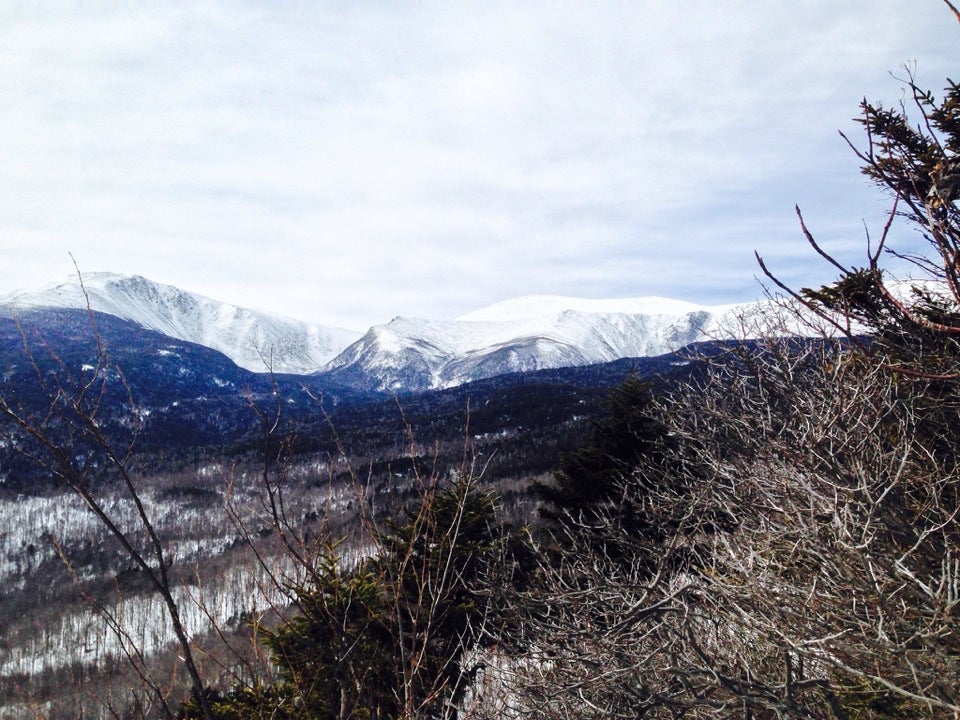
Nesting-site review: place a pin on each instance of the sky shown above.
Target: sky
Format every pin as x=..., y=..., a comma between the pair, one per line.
x=346, y=163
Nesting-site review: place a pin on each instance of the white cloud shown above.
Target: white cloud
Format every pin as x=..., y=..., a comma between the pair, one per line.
x=348, y=163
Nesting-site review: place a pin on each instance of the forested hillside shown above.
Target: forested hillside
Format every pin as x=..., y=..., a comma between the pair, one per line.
x=197, y=437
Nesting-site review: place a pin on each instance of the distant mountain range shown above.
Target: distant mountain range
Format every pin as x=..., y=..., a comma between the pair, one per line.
x=522, y=335
x=405, y=355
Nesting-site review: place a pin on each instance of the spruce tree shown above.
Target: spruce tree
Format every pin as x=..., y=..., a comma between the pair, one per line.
x=388, y=638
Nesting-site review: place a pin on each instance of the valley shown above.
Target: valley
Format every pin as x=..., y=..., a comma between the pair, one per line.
x=212, y=446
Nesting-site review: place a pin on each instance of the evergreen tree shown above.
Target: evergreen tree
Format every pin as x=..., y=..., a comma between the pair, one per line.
x=390, y=637
x=591, y=479
x=335, y=657
x=434, y=565
x=611, y=490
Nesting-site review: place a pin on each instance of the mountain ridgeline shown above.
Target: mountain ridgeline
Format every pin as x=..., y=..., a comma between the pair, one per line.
x=530, y=372
x=253, y=340
x=405, y=355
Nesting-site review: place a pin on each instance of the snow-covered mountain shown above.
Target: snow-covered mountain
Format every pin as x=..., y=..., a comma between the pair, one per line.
x=252, y=339
x=530, y=333
x=524, y=334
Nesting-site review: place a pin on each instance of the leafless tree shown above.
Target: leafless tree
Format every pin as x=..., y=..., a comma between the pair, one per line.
x=66, y=435
x=832, y=589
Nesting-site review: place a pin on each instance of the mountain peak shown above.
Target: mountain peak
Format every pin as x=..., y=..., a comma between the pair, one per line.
x=253, y=340
x=527, y=333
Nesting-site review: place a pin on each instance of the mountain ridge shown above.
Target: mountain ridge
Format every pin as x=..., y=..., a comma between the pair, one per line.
x=526, y=334
x=254, y=340
x=522, y=334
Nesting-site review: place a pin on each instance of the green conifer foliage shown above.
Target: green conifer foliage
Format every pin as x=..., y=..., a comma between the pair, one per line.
x=593, y=476
x=334, y=657
x=434, y=565
x=390, y=637
x=613, y=491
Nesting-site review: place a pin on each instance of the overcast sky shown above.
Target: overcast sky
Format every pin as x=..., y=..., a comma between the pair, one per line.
x=346, y=163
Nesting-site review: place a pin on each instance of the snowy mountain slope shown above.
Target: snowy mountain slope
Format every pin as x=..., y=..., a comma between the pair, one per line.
x=529, y=333
x=407, y=355
x=252, y=339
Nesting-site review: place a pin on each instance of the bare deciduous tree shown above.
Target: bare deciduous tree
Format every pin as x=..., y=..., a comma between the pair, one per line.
x=67, y=435
x=832, y=589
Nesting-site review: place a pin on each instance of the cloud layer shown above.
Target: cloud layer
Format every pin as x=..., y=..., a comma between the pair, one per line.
x=350, y=162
